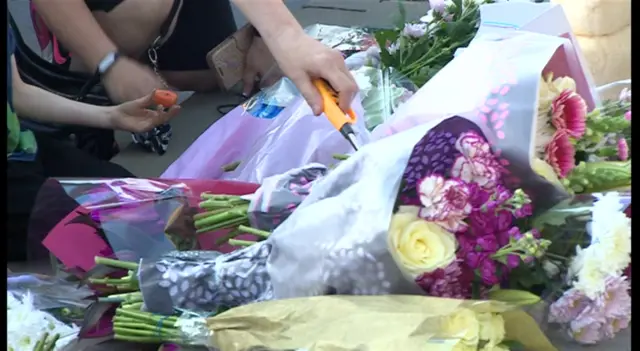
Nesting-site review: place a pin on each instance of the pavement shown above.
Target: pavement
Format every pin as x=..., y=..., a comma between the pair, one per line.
x=199, y=110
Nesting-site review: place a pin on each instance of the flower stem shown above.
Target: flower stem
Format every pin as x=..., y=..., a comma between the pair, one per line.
x=144, y=339
x=257, y=232
x=237, y=242
x=131, y=266
x=40, y=344
x=199, y=216
x=222, y=225
x=340, y=157
x=51, y=344
x=557, y=257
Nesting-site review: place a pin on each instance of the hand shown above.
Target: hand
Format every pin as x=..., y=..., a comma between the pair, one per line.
x=303, y=58
x=128, y=80
x=139, y=115
x=257, y=63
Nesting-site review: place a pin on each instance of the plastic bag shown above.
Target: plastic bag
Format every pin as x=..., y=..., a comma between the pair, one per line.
x=27, y=326
x=381, y=92
x=280, y=195
x=48, y=292
x=294, y=138
x=620, y=90
x=376, y=323
x=336, y=239
x=587, y=262
x=273, y=123
x=123, y=218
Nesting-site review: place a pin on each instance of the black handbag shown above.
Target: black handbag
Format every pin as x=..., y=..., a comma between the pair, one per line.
x=35, y=70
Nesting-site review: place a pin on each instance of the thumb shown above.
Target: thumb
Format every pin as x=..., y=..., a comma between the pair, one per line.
x=145, y=101
x=310, y=94
x=248, y=80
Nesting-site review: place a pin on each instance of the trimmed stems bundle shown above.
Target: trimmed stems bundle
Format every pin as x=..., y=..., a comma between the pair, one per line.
x=226, y=212
x=130, y=322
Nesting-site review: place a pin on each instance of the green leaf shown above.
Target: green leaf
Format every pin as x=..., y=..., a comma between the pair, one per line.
x=558, y=215
x=514, y=297
x=382, y=37
x=402, y=16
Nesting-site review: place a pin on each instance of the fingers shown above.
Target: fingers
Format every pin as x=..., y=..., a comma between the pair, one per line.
x=248, y=80
x=345, y=85
x=309, y=92
x=145, y=101
x=157, y=117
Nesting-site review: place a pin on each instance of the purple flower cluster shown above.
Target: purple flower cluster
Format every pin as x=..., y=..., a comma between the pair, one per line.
x=591, y=320
x=472, y=202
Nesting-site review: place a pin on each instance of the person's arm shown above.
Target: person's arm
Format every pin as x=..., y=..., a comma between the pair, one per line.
x=271, y=18
x=43, y=106
x=75, y=26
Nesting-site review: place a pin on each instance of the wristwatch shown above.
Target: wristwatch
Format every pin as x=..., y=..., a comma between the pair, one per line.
x=106, y=63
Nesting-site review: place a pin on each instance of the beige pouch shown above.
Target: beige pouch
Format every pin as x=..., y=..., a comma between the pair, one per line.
x=608, y=56
x=227, y=59
x=596, y=17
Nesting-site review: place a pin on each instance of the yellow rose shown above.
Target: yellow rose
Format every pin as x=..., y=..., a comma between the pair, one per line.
x=462, y=324
x=491, y=328
x=419, y=246
x=545, y=170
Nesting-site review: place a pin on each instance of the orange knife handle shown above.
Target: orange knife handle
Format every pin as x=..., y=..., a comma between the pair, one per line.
x=335, y=115
x=165, y=98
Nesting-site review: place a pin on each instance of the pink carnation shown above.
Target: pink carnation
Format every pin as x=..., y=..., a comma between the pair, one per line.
x=591, y=321
x=627, y=115
x=476, y=164
x=483, y=171
x=444, y=201
x=569, y=113
x=472, y=145
x=560, y=154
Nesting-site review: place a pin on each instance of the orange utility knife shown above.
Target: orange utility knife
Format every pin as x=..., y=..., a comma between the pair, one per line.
x=165, y=98
x=342, y=121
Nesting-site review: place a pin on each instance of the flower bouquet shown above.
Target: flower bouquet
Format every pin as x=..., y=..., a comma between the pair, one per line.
x=583, y=151
x=41, y=312
x=419, y=50
x=444, y=241
x=584, y=275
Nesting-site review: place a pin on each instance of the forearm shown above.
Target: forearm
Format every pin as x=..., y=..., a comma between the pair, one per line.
x=40, y=105
x=271, y=18
x=76, y=27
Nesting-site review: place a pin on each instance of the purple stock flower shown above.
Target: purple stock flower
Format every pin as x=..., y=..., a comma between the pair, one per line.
x=487, y=243
x=513, y=261
x=488, y=271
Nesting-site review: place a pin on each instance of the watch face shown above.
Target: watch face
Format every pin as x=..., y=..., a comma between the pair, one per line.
x=106, y=62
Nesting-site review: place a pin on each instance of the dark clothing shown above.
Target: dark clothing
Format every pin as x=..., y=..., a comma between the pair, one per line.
x=27, y=171
x=201, y=26
x=55, y=158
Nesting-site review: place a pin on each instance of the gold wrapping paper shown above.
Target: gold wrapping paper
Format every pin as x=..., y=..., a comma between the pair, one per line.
x=350, y=323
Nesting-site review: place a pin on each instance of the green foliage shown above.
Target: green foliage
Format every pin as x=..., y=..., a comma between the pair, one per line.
x=419, y=59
